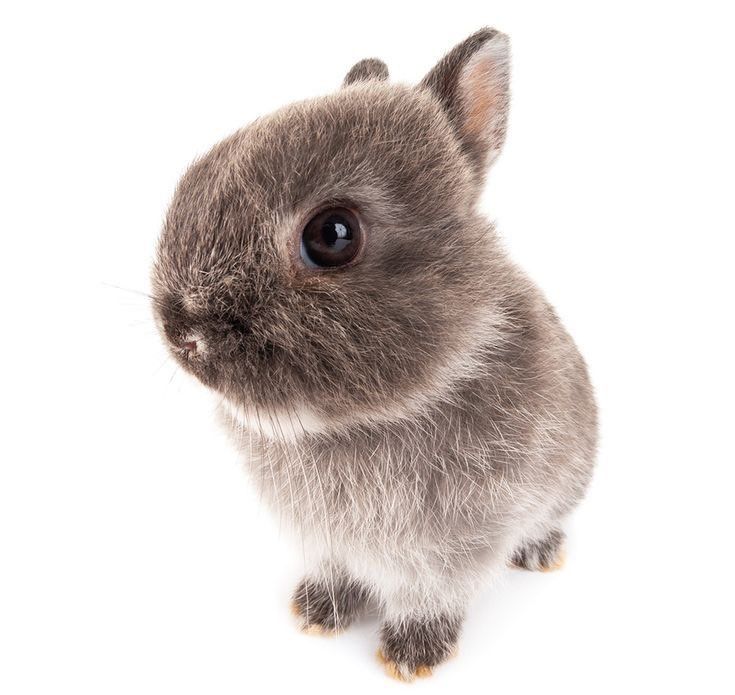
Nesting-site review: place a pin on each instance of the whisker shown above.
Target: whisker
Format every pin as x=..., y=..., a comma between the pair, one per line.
x=160, y=366
x=128, y=289
x=176, y=371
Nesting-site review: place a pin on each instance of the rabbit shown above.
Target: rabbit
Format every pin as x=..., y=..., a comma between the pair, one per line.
x=406, y=399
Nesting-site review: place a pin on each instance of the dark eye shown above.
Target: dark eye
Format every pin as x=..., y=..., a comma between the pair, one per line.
x=331, y=238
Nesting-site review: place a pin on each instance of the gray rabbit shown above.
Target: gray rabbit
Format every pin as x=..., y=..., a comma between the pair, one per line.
x=407, y=399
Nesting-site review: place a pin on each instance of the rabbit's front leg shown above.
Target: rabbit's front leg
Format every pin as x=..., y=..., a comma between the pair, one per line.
x=421, y=625
x=328, y=599
x=412, y=646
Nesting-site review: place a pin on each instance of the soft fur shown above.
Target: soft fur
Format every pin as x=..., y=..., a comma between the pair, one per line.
x=421, y=418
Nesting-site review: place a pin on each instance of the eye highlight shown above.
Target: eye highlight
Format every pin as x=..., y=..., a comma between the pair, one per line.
x=331, y=238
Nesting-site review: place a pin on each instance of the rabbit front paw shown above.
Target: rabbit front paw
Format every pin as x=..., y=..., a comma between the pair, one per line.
x=411, y=648
x=327, y=605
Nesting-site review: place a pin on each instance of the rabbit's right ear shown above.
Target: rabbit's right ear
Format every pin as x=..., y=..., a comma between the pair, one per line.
x=472, y=84
x=367, y=69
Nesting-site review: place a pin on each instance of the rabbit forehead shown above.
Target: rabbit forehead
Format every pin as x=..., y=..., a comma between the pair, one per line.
x=361, y=135
x=380, y=146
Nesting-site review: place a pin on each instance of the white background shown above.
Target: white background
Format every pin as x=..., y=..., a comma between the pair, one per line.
x=135, y=557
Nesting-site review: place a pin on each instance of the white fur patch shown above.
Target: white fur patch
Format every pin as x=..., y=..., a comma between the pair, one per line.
x=191, y=301
x=279, y=425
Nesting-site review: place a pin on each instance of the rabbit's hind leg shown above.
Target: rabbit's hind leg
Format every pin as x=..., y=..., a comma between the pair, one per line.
x=543, y=554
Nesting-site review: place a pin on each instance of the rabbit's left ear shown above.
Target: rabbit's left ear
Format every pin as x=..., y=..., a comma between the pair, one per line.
x=472, y=83
x=367, y=69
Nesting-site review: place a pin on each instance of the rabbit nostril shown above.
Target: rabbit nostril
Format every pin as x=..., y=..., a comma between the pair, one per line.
x=190, y=346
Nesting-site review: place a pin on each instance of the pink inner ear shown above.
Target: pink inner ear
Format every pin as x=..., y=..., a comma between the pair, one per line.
x=481, y=98
x=483, y=86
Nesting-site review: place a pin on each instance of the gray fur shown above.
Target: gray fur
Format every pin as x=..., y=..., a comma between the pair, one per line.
x=411, y=645
x=329, y=605
x=366, y=69
x=540, y=553
x=418, y=416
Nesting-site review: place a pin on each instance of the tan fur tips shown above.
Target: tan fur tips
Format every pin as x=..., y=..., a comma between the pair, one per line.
x=401, y=672
x=558, y=562
x=295, y=610
x=317, y=630
x=541, y=555
x=423, y=671
x=314, y=629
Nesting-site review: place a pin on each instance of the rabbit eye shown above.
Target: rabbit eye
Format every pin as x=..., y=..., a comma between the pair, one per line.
x=331, y=238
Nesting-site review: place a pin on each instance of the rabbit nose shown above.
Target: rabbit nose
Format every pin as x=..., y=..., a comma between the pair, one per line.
x=192, y=345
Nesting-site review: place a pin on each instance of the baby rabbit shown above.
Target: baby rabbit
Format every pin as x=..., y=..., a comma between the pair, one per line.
x=407, y=399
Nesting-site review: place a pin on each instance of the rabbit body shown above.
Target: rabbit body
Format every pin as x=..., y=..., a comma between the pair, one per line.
x=418, y=415
x=421, y=508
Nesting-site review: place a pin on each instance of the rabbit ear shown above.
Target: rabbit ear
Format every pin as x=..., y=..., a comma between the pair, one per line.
x=367, y=69
x=472, y=83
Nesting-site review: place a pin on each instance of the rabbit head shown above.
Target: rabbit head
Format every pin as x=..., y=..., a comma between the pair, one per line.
x=326, y=264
